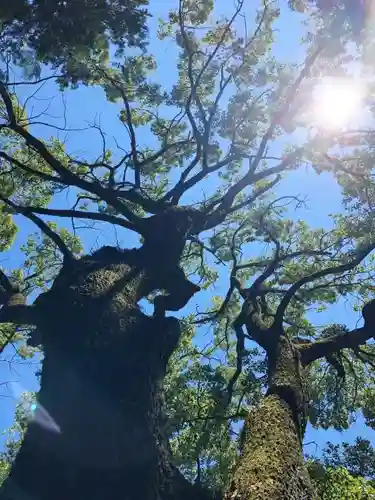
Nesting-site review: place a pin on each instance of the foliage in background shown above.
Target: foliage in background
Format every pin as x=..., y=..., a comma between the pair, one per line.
x=339, y=484
x=36, y=32
x=345, y=471
x=14, y=435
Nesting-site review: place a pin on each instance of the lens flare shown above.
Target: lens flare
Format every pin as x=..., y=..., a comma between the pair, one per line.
x=336, y=103
x=35, y=411
x=40, y=416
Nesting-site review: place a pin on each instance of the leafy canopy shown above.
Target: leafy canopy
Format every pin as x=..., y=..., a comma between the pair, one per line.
x=231, y=124
x=37, y=32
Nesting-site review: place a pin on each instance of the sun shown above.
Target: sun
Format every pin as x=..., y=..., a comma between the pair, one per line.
x=336, y=103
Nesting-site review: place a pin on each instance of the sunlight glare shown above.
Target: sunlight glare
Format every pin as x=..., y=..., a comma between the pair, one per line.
x=336, y=103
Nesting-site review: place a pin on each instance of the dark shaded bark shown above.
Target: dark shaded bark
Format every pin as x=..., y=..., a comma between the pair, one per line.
x=271, y=465
x=97, y=430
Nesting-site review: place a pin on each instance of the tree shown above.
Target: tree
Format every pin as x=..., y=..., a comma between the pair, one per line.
x=99, y=422
x=357, y=458
x=343, y=14
x=338, y=483
x=344, y=471
x=35, y=32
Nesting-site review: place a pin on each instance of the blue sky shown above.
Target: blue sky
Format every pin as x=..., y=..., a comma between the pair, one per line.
x=89, y=105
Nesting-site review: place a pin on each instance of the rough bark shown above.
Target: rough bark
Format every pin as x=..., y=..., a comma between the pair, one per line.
x=271, y=465
x=97, y=431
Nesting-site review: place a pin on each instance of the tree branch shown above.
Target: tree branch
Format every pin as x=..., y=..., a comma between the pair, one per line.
x=129, y=123
x=259, y=192
x=251, y=176
x=246, y=317
x=25, y=168
x=290, y=95
x=349, y=340
x=7, y=339
x=6, y=285
x=164, y=150
x=193, y=85
x=35, y=82
x=282, y=258
x=19, y=315
x=183, y=185
x=248, y=179
x=14, y=308
x=240, y=348
x=66, y=176
x=67, y=255
x=177, y=191
x=79, y=214
x=361, y=254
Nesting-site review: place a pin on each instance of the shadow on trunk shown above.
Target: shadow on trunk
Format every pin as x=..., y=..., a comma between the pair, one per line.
x=96, y=432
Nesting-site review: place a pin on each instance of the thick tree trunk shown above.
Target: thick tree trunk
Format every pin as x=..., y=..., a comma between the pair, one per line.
x=271, y=465
x=96, y=432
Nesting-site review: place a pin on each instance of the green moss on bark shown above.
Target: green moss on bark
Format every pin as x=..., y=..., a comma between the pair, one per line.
x=286, y=379
x=271, y=465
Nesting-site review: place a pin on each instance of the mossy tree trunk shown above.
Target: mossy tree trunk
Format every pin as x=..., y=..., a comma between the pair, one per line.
x=96, y=433
x=271, y=465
